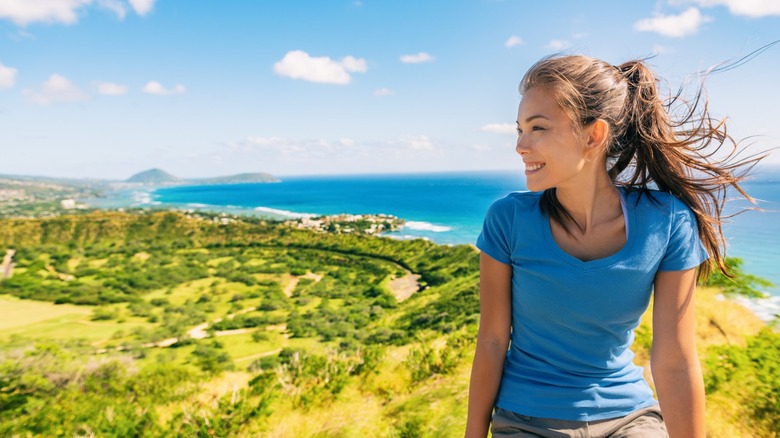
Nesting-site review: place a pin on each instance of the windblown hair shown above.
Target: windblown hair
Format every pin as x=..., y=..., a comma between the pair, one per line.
x=646, y=146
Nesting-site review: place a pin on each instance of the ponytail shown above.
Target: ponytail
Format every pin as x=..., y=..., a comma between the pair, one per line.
x=679, y=157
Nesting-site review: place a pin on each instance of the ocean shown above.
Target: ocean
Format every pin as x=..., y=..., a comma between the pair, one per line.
x=448, y=208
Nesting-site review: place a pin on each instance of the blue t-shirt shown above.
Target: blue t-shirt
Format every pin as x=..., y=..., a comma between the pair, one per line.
x=573, y=321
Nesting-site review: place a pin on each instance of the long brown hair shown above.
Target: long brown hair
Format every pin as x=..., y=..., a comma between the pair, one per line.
x=674, y=144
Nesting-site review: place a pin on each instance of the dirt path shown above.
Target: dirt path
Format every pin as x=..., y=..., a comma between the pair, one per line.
x=288, y=290
x=404, y=287
x=258, y=355
x=199, y=331
x=7, y=268
x=60, y=275
x=231, y=332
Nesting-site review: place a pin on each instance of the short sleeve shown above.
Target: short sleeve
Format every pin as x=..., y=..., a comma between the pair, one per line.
x=685, y=250
x=494, y=240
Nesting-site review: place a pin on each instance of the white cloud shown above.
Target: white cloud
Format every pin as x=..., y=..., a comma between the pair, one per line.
x=294, y=148
x=380, y=92
x=7, y=76
x=154, y=87
x=298, y=64
x=114, y=6
x=24, y=12
x=675, y=26
x=265, y=141
x=418, y=142
x=142, y=7
x=416, y=59
x=481, y=147
x=344, y=146
x=355, y=65
x=748, y=8
x=558, y=45
x=58, y=89
x=514, y=40
x=499, y=128
x=343, y=155
x=110, y=89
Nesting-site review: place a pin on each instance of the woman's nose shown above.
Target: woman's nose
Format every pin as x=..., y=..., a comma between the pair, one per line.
x=520, y=146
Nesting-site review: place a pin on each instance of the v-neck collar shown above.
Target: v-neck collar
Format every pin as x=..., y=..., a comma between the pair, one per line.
x=628, y=217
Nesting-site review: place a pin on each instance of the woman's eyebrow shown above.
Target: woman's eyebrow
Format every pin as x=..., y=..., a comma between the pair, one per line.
x=535, y=116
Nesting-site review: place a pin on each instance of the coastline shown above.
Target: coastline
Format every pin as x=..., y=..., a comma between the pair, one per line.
x=439, y=232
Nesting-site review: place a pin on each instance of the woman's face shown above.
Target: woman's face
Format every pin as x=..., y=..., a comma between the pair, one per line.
x=553, y=152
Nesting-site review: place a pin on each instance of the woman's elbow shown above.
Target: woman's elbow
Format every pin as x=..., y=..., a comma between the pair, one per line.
x=673, y=361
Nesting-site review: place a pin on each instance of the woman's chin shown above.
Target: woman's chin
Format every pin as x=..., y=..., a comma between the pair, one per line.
x=535, y=187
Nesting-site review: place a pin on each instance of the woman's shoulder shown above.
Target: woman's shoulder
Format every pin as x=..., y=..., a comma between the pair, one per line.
x=658, y=198
x=658, y=205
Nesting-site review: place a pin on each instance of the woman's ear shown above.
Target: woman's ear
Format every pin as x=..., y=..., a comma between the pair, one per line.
x=597, y=133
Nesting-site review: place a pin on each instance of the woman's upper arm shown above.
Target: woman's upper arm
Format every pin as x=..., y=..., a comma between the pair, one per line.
x=674, y=318
x=495, y=302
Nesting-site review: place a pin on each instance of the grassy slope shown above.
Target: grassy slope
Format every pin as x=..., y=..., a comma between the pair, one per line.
x=386, y=403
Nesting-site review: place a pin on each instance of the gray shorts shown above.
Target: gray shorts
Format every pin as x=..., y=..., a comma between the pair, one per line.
x=643, y=423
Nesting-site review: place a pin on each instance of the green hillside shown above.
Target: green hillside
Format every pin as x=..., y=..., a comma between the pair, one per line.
x=169, y=324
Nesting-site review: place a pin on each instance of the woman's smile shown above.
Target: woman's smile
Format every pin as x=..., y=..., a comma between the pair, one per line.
x=533, y=167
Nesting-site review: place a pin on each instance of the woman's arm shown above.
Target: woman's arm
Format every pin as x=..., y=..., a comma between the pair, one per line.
x=495, y=319
x=674, y=360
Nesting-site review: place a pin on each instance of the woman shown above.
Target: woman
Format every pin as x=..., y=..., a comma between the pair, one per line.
x=567, y=270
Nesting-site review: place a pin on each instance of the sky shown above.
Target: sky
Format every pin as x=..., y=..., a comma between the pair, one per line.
x=108, y=88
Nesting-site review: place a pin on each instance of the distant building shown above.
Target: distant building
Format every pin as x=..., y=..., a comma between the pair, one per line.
x=68, y=204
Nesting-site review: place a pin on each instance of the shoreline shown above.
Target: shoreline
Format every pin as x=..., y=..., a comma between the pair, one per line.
x=767, y=309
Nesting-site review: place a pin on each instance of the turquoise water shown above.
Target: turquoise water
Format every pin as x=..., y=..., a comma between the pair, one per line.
x=448, y=208
x=444, y=207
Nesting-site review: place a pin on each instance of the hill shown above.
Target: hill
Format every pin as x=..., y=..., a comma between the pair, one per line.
x=159, y=176
x=173, y=324
x=153, y=176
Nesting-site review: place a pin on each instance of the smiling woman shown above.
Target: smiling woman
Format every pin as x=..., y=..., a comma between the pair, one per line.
x=567, y=270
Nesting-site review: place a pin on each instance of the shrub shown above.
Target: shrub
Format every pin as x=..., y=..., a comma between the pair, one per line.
x=751, y=375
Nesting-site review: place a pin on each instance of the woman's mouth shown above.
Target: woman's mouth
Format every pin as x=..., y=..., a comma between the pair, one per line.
x=531, y=168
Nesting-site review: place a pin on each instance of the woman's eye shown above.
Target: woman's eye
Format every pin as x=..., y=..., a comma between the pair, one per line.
x=519, y=131
x=538, y=128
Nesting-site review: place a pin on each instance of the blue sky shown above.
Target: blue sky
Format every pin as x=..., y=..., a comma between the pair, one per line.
x=108, y=88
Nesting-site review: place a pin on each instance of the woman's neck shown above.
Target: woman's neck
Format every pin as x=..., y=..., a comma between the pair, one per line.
x=590, y=203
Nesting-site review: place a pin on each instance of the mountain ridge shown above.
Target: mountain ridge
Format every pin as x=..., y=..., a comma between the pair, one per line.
x=159, y=176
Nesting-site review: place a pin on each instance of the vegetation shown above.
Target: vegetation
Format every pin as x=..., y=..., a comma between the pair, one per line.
x=750, y=377
x=173, y=324
x=742, y=284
